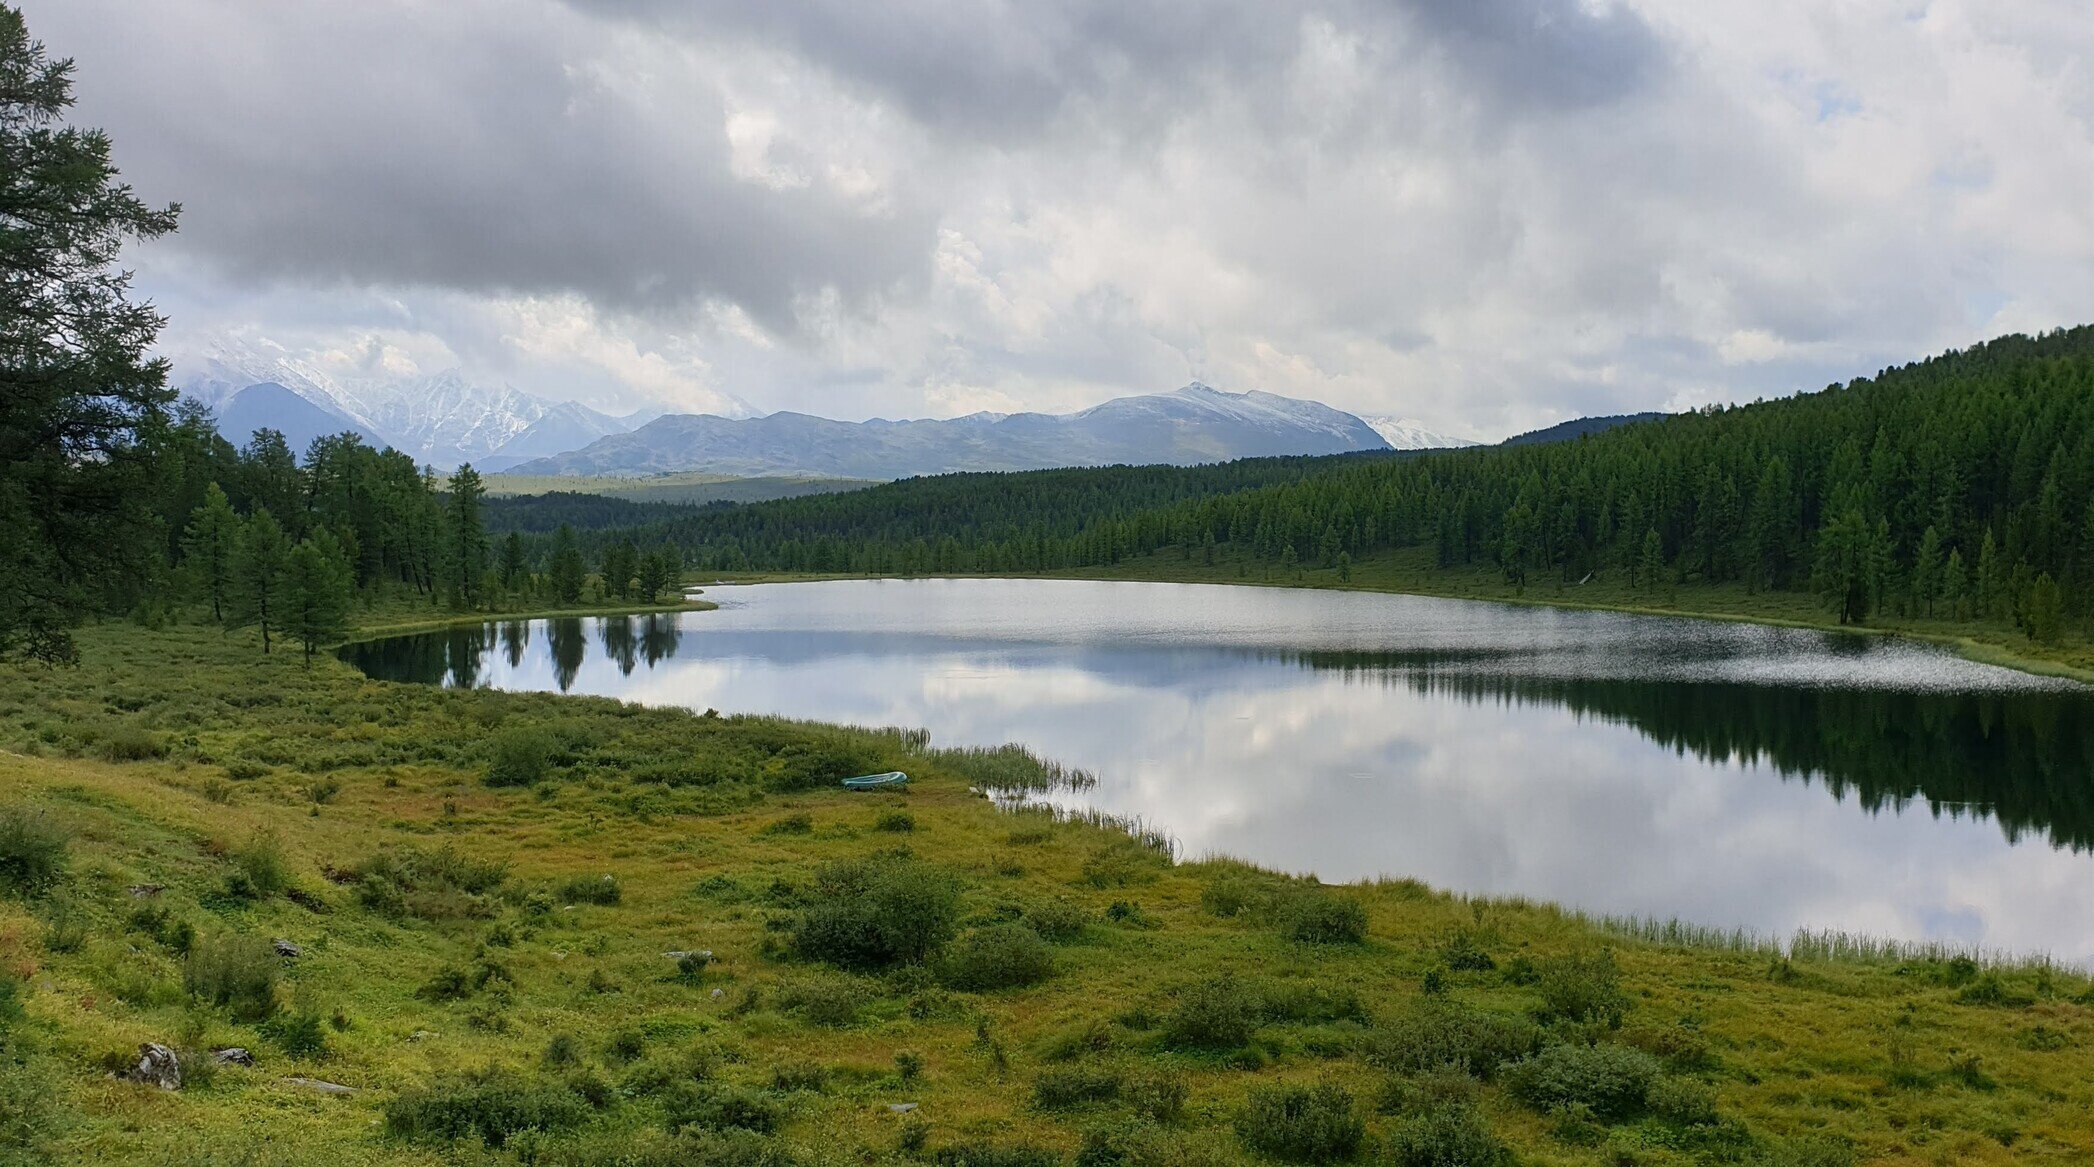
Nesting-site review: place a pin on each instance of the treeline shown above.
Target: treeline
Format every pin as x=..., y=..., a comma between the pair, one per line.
x=1956, y=487
x=1024, y=521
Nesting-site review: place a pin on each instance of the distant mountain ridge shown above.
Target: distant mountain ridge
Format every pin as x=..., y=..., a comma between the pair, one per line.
x=439, y=420
x=1578, y=427
x=1404, y=434
x=1191, y=425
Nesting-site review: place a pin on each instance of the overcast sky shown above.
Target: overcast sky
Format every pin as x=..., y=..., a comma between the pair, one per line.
x=1482, y=214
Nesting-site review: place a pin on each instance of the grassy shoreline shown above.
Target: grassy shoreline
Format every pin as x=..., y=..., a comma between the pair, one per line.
x=183, y=759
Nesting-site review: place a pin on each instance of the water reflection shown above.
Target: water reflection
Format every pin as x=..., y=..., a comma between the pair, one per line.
x=1619, y=763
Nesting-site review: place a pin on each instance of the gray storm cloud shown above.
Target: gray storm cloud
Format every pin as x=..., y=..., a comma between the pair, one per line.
x=1482, y=213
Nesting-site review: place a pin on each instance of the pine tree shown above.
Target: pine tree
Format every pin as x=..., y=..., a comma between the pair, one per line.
x=513, y=565
x=2043, y=610
x=317, y=586
x=1955, y=586
x=1926, y=573
x=1991, y=586
x=207, y=547
x=467, y=536
x=80, y=398
x=256, y=594
x=1849, y=569
x=1650, y=564
x=567, y=571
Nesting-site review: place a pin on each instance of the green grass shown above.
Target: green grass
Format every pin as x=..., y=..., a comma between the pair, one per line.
x=683, y=487
x=466, y=969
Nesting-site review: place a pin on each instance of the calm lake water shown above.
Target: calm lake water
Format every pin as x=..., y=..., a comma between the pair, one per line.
x=1727, y=774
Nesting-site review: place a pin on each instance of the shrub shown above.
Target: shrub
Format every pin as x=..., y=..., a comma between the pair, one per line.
x=1157, y=1095
x=822, y=1000
x=1122, y=862
x=1001, y=956
x=519, y=757
x=1613, y=1081
x=450, y=983
x=129, y=743
x=1317, y=916
x=1219, y=1014
x=491, y=1104
x=895, y=822
x=583, y=889
x=1432, y=1034
x=1447, y=1136
x=790, y=1077
x=1301, y=1124
x=716, y=1106
x=985, y=1155
x=302, y=1035
x=1683, y=1102
x=792, y=824
x=562, y=1051
x=1232, y=895
x=32, y=851
x=1462, y=953
x=872, y=913
x=1057, y=919
x=1072, y=1086
x=1581, y=989
x=807, y=765
x=234, y=972
x=429, y=885
x=908, y=1064
x=260, y=864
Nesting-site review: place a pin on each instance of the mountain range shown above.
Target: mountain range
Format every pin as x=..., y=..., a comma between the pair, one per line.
x=439, y=420
x=1193, y=424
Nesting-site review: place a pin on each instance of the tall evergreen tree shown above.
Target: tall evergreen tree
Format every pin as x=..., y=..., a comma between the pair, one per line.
x=567, y=572
x=256, y=595
x=514, y=567
x=466, y=558
x=207, y=548
x=1850, y=564
x=317, y=585
x=80, y=400
x=1926, y=573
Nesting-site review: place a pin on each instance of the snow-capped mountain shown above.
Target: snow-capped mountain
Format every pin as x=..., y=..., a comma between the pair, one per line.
x=440, y=420
x=1404, y=434
x=1193, y=424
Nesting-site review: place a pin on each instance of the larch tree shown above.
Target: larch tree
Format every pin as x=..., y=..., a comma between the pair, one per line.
x=256, y=596
x=80, y=399
x=466, y=534
x=317, y=586
x=207, y=549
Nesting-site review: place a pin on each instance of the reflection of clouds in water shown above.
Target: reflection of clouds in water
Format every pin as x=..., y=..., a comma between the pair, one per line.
x=1349, y=776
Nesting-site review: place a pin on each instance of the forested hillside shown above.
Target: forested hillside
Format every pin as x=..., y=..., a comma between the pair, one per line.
x=1956, y=485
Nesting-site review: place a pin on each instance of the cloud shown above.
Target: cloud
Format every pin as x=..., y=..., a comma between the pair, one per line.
x=1484, y=214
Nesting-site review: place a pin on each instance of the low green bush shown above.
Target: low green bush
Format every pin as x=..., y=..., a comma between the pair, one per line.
x=1683, y=1102
x=822, y=1000
x=592, y=889
x=1219, y=1014
x=492, y=1105
x=718, y=1106
x=874, y=913
x=1234, y=894
x=800, y=823
x=1157, y=1095
x=1314, y=915
x=259, y=864
x=1446, y=1136
x=1001, y=956
x=519, y=757
x=235, y=972
x=1431, y=1034
x=301, y=1034
x=1058, y=920
x=1581, y=989
x=130, y=743
x=439, y=884
x=895, y=822
x=1301, y=1124
x=1613, y=1081
x=33, y=851
x=1072, y=1086
x=990, y=1155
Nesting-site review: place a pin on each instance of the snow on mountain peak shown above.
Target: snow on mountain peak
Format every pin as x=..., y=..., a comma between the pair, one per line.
x=1404, y=434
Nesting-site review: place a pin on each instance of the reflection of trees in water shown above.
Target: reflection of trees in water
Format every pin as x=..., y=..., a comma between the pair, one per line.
x=465, y=646
x=619, y=643
x=2024, y=758
x=569, y=646
x=516, y=636
x=660, y=634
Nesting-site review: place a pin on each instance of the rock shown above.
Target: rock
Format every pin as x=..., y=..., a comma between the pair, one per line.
x=421, y=1035
x=286, y=949
x=141, y=891
x=158, y=1065
x=679, y=954
x=901, y=1107
x=719, y=993
x=232, y=1056
x=335, y=1088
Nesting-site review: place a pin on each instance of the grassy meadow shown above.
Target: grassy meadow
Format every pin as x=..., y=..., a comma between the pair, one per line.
x=484, y=889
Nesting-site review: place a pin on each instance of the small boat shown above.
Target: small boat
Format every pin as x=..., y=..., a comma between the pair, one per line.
x=876, y=781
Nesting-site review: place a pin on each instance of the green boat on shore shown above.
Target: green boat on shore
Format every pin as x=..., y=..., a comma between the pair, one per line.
x=876, y=781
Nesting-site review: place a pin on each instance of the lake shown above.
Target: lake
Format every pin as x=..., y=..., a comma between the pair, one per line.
x=1726, y=774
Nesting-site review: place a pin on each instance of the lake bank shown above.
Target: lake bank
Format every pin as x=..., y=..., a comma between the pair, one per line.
x=1900, y=1060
